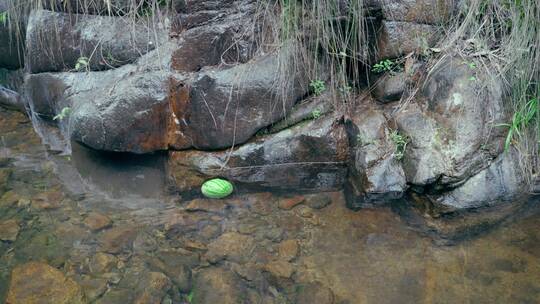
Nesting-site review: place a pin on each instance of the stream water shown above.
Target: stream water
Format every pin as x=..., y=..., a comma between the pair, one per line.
x=107, y=224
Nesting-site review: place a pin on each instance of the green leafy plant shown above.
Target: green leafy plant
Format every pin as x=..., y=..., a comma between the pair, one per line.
x=3, y=18
x=63, y=114
x=82, y=64
x=189, y=297
x=471, y=65
x=400, y=142
x=386, y=65
x=316, y=113
x=521, y=120
x=317, y=87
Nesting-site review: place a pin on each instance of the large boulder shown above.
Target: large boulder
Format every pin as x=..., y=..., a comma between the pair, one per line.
x=375, y=173
x=59, y=41
x=502, y=182
x=223, y=43
x=311, y=156
x=144, y=107
x=11, y=99
x=397, y=38
x=225, y=107
x=418, y=11
x=453, y=125
x=123, y=110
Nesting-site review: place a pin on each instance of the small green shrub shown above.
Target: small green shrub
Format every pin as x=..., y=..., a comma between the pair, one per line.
x=317, y=87
x=82, y=64
x=400, y=142
x=189, y=297
x=521, y=121
x=387, y=65
x=315, y=114
x=3, y=18
x=63, y=114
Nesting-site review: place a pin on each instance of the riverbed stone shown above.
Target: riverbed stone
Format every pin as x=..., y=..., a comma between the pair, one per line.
x=231, y=246
x=51, y=199
x=217, y=285
x=9, y=230
x=206, y=205
x=288, y=249
x=37, y=282
x=318, y=201
x=288, y=203
x=97, y=221
x=117, y=239
x=308, y=293
x=103, y=262
x=280, y=269
x=9, y=199
x=155, y=286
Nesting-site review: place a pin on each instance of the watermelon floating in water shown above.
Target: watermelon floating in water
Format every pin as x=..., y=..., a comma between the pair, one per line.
x=217, y=188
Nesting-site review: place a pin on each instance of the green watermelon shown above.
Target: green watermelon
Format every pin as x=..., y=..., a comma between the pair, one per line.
x=217, y=188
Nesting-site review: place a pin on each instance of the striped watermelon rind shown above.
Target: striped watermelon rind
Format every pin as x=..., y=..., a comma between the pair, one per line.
x=217, y=188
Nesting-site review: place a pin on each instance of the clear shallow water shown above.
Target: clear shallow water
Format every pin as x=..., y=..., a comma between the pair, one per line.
x=107, y=225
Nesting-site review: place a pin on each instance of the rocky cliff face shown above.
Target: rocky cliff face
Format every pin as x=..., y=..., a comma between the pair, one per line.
x=195, y=81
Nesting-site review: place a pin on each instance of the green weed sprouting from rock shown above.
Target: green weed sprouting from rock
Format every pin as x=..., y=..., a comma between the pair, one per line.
x=315, y=114
x=317, y=87
x=386, y=65
x=82, y=64
x=63, y=114
x=3, y=18
x=400, y=142
x=522, y=119
x=189, y=297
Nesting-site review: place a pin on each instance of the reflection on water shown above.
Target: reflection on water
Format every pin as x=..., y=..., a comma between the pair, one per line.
x=101, y=230
x=120, y=174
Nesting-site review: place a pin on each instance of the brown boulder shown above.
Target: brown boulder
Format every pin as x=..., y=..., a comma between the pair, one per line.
x=39, y=283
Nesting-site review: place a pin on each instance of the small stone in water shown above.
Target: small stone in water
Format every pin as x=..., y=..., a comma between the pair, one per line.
x=97, y=221
x=9, y=230
x=291, y=202
x=288, y=249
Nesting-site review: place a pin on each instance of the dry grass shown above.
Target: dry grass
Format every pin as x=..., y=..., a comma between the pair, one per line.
x=328, y=41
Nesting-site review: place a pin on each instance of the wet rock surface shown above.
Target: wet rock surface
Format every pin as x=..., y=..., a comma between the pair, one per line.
x=376, y=175
x=57, y=41
x=456, y=136
x=285, y=160
x=36, y=282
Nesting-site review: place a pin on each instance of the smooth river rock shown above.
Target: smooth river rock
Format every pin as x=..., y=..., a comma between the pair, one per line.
x=39, y=283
